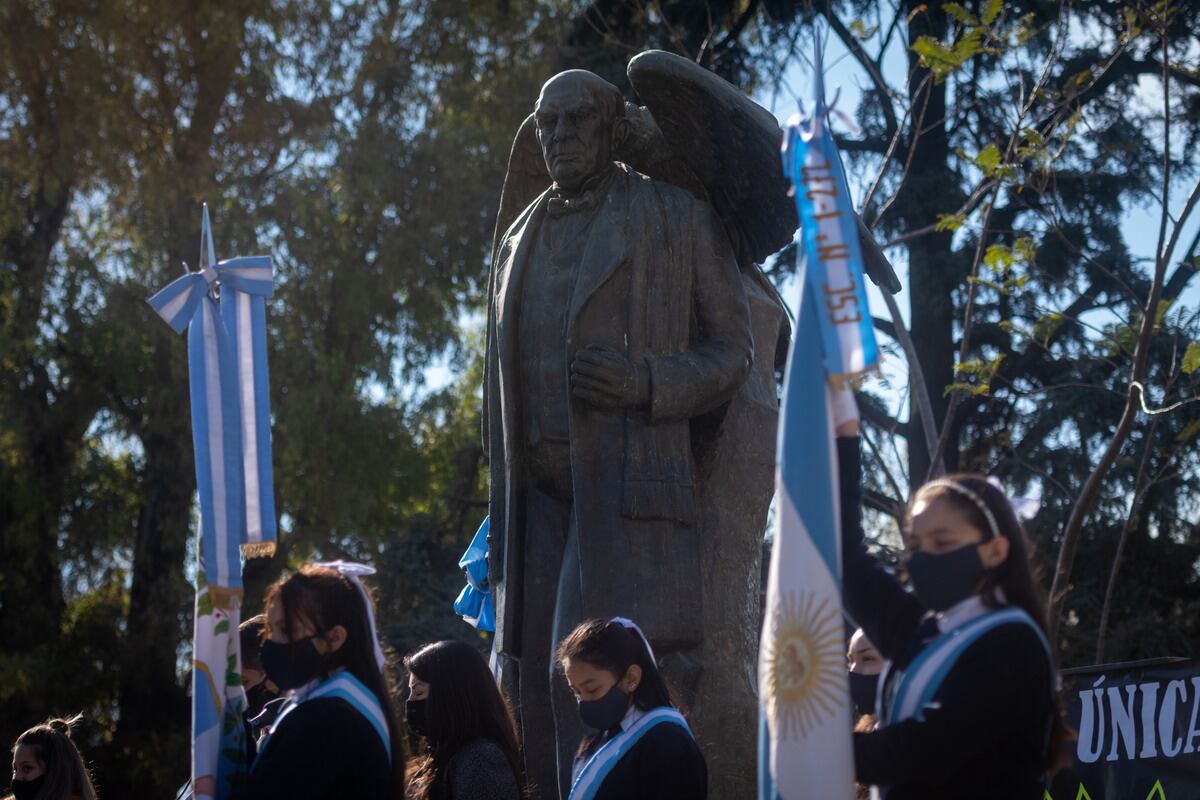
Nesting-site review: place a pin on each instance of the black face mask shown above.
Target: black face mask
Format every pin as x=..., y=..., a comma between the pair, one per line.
x=257, y=697
x=27, y=790
x=942, y=580
x=293, y=664
x=862, y=691
x=414, y=716
x=607, y=712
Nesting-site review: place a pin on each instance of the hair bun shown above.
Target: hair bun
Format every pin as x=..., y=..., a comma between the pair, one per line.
x=64, y=726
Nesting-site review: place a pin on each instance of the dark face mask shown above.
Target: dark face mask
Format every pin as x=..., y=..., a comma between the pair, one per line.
x=257, y=697
x=291, y=665
x=414, y=716
x=607, y=712
x=27, y=790
x=942, y=580
x=862, y=691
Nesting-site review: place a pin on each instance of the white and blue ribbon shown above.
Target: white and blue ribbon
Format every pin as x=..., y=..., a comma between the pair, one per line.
x=829, y=238
x=343, y=686
x=602, y=762
x=921, y=680
x=230, y=400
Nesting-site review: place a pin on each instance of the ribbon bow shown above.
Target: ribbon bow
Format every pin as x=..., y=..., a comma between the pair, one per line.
x=223, y=308
x=474, y=603
x=353, y=571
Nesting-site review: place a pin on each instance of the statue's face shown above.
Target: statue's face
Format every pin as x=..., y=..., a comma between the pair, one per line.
x=573, y=130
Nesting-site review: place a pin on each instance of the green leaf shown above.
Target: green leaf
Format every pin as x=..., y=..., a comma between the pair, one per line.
x=950, y=222
x=1191, y=358
x=861, y=31
x=1189, y=433
x=222, y=627
x=998, y=256
x=1160, y=314
x=1046, y=325
x=936, y=57
x=959, y=14
x=204, y=604
x=991, y=10
x=988, y=159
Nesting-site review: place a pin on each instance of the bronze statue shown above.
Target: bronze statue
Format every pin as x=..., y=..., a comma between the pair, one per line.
x=630, y=394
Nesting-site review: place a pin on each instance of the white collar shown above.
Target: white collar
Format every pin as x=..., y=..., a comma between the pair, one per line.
x=631, y=716
x=961, y=613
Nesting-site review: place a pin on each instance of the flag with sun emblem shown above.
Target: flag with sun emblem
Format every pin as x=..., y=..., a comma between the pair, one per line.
x=806, y=749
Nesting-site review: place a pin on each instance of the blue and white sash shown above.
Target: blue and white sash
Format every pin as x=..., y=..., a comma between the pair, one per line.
x=346, y=687
x=598, y=767
x=924, y=676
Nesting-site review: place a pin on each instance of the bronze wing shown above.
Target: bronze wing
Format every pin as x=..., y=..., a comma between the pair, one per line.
x=731, y=145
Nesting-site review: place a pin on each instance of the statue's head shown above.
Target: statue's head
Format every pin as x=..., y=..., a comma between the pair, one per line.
x=579, y=117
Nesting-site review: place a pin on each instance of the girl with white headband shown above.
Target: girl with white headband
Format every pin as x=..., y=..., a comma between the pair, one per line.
x=337, y=734
x=642, y=746
x=968, y=704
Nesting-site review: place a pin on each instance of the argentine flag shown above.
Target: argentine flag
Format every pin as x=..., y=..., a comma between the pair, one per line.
x=805, y=742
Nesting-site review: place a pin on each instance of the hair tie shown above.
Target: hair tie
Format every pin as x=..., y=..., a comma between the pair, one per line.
x=971, y=495
x=351, y=570
x=632, y=626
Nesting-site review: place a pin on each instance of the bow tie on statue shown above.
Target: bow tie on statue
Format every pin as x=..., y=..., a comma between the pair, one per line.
x=586, y=199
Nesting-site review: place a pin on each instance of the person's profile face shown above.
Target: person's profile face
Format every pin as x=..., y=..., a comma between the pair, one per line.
x=417, y=688
x=864, y=659
x=589, y=682
x=573, y=131
x=25, y=764
x=278, y=627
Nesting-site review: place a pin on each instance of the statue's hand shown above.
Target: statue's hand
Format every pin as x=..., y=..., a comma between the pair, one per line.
x=606, y=378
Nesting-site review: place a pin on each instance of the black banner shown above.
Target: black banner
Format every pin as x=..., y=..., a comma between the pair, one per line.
x=1139, y=732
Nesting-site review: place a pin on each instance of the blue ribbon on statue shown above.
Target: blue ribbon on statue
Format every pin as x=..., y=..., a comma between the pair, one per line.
x=833, y=256
x=227, y=373
x=474, y=603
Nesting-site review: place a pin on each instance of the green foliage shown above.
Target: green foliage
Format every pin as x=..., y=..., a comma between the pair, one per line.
x=1191, y=358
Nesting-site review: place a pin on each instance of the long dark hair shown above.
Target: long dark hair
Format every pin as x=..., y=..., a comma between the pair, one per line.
x=1014, y=576
x=464, y=705
x=66, y=774
x=325, y=598
x=612, y=647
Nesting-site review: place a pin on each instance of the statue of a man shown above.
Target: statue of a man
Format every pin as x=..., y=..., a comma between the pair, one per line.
x=618, y=329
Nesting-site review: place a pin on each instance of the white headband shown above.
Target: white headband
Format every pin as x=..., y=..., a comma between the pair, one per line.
x=630, y=625
x=352, y=570
x=970, y=495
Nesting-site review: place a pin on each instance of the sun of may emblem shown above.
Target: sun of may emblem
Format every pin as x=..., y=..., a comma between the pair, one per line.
x=802, y=678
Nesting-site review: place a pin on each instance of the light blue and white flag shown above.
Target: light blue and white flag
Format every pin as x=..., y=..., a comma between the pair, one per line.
x=222, y=307
x=805, y=742
x=806, y=749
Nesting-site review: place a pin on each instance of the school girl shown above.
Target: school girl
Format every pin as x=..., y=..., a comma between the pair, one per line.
x=47, y=766
x=643, y=747
x=968, y=705
x=468, y=737
x=337, y=735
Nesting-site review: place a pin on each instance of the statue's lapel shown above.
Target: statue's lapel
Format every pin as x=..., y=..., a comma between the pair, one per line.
x=606, y=243
x=510, y=271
